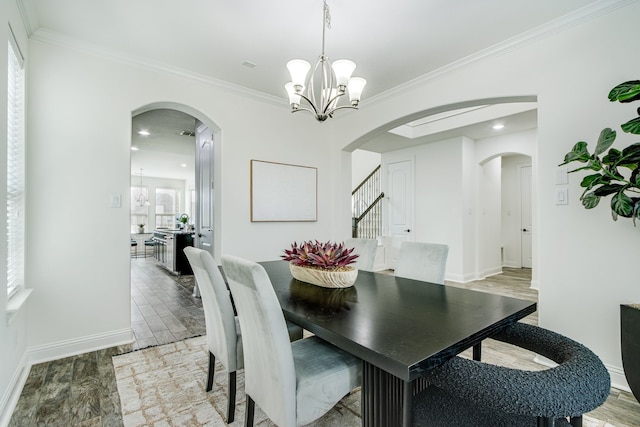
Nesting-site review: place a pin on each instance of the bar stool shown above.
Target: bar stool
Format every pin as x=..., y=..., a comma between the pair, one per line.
x=149, y=244
x=134, y=245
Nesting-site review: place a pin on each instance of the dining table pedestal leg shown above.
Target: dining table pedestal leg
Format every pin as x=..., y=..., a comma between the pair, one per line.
x=386, y=399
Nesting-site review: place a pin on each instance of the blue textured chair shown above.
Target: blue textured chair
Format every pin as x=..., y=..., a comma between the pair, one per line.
x=465, y=392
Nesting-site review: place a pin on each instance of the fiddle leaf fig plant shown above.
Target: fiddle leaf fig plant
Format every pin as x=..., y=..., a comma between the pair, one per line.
x=617, y=173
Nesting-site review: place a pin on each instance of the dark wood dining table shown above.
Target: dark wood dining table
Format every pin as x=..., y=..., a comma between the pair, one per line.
x=400, y=328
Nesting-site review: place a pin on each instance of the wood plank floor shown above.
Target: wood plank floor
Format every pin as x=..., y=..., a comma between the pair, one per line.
x=81, y=390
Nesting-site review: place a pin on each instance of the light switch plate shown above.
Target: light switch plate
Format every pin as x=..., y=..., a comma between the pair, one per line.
x=116, y=201
x=562, y=176
x=562, y=196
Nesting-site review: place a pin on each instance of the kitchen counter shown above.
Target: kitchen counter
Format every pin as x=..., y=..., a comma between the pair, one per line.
x=170, y=244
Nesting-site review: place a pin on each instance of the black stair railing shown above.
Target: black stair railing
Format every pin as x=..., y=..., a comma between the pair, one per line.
x=367, y=207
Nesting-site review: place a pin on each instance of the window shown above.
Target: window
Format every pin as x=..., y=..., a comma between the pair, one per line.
x=139, y=207
x=15, y=168
x=167, y=206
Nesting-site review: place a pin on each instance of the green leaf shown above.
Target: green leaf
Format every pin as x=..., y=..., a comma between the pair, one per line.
x=612, y=157
x=590, y=201
x=606, y=138
x=605, y=190
x=591, y=181
x=635, y=178
x=632, y=126
x=625, y=92
x=579, y=152
x=630, y=156
x=622, y=204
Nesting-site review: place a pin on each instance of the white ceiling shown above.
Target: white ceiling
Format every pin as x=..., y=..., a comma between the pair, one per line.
x=392, y=43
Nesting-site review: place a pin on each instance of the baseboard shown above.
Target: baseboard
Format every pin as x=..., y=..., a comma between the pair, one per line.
x=618, y=380
x=491, y=272
x=12, y=393
x=72, y=347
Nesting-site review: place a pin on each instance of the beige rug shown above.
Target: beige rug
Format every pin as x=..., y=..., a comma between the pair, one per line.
x=165, y=386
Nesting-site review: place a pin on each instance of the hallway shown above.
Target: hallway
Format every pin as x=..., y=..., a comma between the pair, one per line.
x=163, y=309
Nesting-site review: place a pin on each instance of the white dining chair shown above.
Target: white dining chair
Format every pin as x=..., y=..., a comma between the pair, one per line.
x=366, y=249
x=224, y=339
x=422, y=261
x=293, y=383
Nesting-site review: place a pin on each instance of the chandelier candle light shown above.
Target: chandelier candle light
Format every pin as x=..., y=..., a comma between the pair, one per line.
x=326, y=84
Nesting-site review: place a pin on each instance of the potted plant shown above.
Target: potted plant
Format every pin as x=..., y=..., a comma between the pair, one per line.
x=140, y=228
x=322, y=264
x=617, y=174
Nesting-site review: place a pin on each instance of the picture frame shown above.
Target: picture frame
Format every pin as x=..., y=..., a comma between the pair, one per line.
x=283, y=192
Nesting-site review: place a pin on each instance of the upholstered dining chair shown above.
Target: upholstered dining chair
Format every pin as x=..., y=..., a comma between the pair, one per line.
x=366, y=249
x=422, y=261
x=468, y=392
x=294, y=384
x=224, y=339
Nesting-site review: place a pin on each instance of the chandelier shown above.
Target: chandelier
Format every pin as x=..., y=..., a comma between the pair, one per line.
x=326, y=84
x=141, y=197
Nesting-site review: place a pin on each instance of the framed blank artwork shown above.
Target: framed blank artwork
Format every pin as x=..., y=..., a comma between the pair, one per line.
x=281, y=192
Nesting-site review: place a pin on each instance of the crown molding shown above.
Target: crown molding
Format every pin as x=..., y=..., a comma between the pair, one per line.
x=563, y=23
x=28, y=15
x=55, y=38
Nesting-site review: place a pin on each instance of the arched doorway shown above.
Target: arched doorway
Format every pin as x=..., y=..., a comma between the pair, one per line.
x=164, y=306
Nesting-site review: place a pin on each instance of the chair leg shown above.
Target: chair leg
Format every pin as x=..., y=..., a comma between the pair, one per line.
x=231, y=405
x=212, y=367
x=477, y=352
x=248, y=415
x=576, y=421
x=546, y=422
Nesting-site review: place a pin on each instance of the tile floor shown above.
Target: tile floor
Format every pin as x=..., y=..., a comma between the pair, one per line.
x=81, y=390
x=163, y=309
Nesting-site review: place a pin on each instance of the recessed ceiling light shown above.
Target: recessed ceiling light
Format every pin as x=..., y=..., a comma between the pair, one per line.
x=134, y=148
x=184, y=165
x=144, y=132
x=249, y=64
x=498, y=126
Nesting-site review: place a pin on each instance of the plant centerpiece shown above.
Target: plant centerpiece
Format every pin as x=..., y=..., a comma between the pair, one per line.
x=140, y=228
x=617, y=174
x=322, y=264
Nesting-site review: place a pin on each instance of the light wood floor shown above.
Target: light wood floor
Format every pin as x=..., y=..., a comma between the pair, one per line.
x=81, y=391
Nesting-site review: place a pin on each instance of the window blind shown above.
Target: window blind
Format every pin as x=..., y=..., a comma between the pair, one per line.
x=15, y=168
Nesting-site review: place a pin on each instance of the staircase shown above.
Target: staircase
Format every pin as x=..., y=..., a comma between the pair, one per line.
x=367, y=207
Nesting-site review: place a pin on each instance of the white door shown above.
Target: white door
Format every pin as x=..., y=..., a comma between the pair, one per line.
x=204, y=191
x=399, y=207
x=525, y=216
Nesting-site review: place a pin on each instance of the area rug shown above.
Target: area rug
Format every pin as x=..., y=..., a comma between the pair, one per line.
x=165, y=386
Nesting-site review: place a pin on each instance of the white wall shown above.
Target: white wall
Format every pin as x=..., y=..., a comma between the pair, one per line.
x=363, y=163
x=489, y=219
x=570, y=72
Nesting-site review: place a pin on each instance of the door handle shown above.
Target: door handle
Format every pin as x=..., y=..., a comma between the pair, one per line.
x=525, y=230
x=408, y=230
